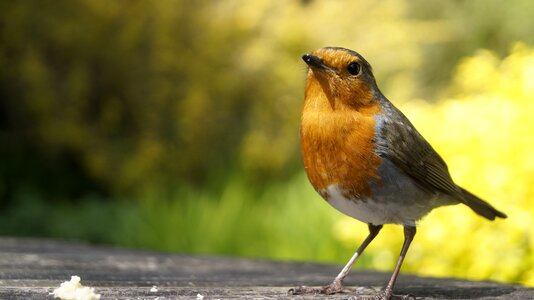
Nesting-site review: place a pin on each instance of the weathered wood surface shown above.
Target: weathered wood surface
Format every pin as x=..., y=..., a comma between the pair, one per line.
x=32, y=268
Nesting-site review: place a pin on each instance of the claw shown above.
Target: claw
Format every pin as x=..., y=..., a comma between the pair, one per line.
x=382, y=296
x=303, y=290
x=333, y=288
x=337, y=287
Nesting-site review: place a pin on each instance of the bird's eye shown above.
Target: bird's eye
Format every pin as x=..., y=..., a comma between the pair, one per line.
x=353, y=68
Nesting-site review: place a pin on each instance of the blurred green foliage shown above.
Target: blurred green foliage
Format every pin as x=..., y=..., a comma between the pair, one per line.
x=174, y=124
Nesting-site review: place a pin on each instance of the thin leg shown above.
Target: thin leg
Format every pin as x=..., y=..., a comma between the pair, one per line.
x=373, y=232
x=387, y=293
x=337, y=285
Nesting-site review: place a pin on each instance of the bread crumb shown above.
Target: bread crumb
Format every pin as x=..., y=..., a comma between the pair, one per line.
x=200, y=297
x=74, y=290
x=154, y=289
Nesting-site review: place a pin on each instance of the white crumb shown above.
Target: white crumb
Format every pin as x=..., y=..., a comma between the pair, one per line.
x=74, y=290
x=200, y=297
x=154, y=289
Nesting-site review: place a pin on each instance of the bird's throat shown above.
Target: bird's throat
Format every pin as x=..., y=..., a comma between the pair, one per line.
x=337, y=144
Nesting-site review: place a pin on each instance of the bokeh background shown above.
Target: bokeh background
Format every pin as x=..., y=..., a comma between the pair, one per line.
x=173, y=125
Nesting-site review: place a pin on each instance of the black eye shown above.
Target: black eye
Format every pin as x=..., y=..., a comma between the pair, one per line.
x=353, y=68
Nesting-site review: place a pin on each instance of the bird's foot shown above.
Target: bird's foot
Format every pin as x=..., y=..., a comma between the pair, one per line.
x=383, y=295
x=333, y=288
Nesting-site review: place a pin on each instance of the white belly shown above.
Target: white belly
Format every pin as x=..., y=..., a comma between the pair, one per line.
x=371, y=211
x=396, y=200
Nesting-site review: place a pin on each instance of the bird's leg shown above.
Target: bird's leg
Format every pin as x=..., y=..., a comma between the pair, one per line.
x=387, y=293
x=337, y=285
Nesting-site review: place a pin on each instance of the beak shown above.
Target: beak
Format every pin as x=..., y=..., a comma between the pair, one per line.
x=315, y=62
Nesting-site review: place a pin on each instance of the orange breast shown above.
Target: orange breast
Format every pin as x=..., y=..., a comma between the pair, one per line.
x=337, y=145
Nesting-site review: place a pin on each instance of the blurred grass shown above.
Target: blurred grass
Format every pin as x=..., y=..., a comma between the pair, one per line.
x=285, y=221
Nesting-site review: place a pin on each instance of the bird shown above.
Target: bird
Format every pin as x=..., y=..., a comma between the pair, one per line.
x=367, y=160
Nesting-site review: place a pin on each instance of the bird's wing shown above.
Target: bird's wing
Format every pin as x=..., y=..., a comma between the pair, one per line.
x=401, y=143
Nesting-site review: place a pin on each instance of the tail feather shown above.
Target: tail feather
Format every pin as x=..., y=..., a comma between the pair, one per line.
x=480, y=206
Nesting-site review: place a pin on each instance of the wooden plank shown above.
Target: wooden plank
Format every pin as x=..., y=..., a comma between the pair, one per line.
x=32, y=268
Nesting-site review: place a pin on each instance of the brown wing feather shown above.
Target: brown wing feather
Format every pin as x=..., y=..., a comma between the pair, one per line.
x=407, y=149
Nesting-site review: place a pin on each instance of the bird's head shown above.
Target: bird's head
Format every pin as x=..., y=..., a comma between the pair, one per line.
x=343, y=75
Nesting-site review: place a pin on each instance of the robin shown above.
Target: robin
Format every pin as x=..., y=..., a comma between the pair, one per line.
x=366, y=159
